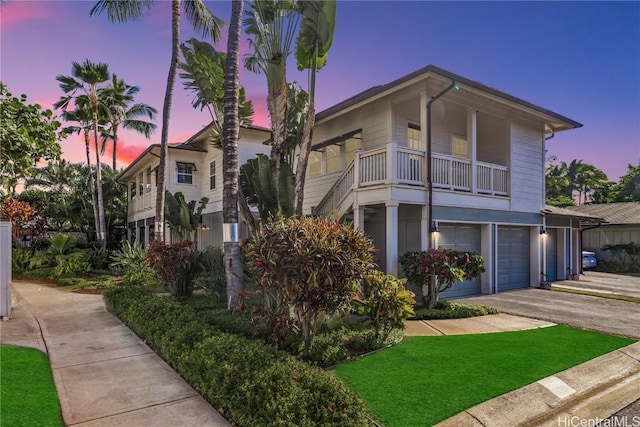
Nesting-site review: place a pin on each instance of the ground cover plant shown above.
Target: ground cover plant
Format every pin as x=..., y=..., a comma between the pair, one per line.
x=453, y=310
x=249, y=382
x=28, y=394
x=434, y=378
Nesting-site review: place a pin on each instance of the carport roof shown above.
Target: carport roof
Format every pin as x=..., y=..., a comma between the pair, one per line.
x=567, y=212
x=613, y=213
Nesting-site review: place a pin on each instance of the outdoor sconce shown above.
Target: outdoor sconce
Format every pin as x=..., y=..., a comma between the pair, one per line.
x=543, y=230
x=434, y=226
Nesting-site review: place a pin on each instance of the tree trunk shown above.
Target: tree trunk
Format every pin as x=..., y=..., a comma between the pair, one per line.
x=92, y=185
x=166, y=114
x=102, y=232
x=232, y=258
x=431, y=298
x=303, y=160
x=115, y=144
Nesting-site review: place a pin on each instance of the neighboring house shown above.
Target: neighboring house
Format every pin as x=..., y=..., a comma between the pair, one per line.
x=622, y=225
x=485, y=149
x=371, y=159
x=193, y=168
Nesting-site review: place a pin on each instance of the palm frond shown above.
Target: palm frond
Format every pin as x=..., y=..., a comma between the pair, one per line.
x=203, y=21
x=122, y=10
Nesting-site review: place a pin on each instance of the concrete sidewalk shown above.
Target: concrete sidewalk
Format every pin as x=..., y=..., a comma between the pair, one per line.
x=104, y=374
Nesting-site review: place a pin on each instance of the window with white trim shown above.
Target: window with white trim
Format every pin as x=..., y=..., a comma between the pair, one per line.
x=212, y=175
x=315, y=163
x=459, y=146
x=414, y=136
x=185, y=172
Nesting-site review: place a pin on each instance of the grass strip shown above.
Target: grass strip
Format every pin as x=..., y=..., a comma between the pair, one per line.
x=425, y=380
x=28, y=394
x=597, y=294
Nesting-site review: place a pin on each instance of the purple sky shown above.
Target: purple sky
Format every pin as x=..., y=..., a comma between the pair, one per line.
x=579, y=59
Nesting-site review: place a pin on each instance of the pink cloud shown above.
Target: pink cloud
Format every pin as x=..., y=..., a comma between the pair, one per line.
x=23, y=11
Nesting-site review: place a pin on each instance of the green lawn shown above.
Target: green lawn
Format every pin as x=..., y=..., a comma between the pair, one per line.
x=425, y=380
x=27, y=392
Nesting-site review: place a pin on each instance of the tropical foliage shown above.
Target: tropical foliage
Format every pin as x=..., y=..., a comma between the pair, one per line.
x=184, y=217
x=204, y=23
x=176, y=265
x=313, y=265
x=436, y=270
x=28, y=133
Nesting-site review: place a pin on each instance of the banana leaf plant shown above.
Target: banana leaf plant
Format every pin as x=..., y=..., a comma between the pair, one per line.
x=183, y=217
x=263, y=187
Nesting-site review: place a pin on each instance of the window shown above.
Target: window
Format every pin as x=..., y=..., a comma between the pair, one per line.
x=315, y=163
x=414, y=136
x=334, y=154
x=459, y=146
x=185, y=172
x=350, y=147
x=334, y=162
x=212, y=175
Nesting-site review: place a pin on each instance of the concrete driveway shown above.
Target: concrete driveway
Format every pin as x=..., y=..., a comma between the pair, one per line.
x=607, y=283
x=582, y=311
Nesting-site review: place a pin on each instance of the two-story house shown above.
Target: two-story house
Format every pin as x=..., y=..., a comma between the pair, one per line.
x=194, y=168
x=484, y=151
x=431, y=159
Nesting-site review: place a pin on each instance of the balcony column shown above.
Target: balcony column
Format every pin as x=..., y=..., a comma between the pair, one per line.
x=356, y=168
x=392, y=163
x=472, y=130
x=425, y=228
x=358, y=217
x=392, y=237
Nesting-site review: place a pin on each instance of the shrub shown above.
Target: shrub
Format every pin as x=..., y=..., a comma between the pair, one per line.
x=213, y=279
x=435, y=270
x=249, y=382
x=627, y=257
x=20, y=259
x=453, y=310
x=312, y=264
x=387, y=303
x=176, y=265
x=128, y=257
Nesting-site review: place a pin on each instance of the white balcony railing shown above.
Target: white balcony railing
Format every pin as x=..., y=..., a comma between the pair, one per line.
x=142, y=203
x=394, y=165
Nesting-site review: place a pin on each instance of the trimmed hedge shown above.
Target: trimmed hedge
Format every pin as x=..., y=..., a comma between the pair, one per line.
x=249, y=382
x=453, y=310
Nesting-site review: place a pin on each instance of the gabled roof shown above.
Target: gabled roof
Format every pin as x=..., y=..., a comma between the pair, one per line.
x=367, y=95
x=188, y=145
x=620, y=213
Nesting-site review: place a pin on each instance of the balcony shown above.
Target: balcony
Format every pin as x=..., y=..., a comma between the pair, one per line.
x=142, y=203
x=394, y=165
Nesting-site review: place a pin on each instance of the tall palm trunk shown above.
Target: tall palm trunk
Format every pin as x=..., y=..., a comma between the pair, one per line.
x=233, y=269
x=102, y=237
x=115, y=143
x=166, y=114
x=92, y=185
x=277, y=105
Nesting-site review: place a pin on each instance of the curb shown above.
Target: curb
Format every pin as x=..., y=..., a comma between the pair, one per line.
x=591, y=391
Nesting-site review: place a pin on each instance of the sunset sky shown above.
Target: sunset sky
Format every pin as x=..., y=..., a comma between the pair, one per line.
x=579, y=59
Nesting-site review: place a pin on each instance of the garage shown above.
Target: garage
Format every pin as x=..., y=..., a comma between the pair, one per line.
x=461, y=237
x=513, y=258
x=551, y=255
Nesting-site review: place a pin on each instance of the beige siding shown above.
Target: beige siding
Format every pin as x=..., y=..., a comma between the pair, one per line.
x=526, y=168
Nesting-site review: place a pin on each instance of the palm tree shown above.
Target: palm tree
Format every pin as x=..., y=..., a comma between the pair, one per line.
x=82, y=116
x=232, y=256
x=272, y=26
x=120, y=112
x=313, y=44
x=84, y=82
x=204, y=23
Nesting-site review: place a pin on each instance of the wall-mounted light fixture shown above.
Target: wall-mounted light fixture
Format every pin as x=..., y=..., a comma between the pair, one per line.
x=543, y=230
x=434, y=226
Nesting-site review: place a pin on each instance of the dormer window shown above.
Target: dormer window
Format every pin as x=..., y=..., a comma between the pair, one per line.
x=185, y=172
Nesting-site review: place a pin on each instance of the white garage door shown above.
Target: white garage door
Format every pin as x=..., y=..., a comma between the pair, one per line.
x=461, y=237
x=513, y=258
